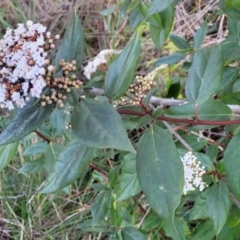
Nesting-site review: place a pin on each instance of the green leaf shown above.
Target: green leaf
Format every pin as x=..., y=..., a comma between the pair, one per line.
x=181, y=228
x=32, y=166
x=136, y=17
x=208, y=110
x=45, y=163
x=7, y=152
x=212, y=152
x=232, y=4
x=162, y=26
x=170, y=59
x=97, y=124
x=58, y=120
x=128, y=181
x=88, y=226
x=124, y=8
x=204, y=75
x=231, y=48
x=69, y=166
x=130, y=233
x=200, y=35
x=100, y=206
x=35, y=149
x=179, y=42
x=160, y=172
x=205, y=231
x=72, y=46
x=116, y=214
x=229, y=76
x=109, y=10
x=121, y=72
x=27, y=119
x=218, y=205
x=231, y=162
x=229, y=233
x=143, y=121
x=199, y=210
x=158, y=6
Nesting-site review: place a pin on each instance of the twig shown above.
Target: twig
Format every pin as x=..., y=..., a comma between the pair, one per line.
x=42, y=136
x=98, y=170
x=187, y=146
x=165, y=101
x=193, y=122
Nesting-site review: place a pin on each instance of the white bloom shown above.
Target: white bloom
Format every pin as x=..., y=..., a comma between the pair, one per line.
x=193, y=173
x=23, y=61
x=101, y=58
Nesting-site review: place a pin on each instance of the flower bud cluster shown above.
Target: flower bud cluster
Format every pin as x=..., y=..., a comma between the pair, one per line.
x=100, y=59
x=193, y=173
x=139, y=89
x=60, y=86
x=23, y=63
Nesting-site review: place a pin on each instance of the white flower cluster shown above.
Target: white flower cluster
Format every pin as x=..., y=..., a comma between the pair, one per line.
x=100, y=59
x=193, y=173
x=22, y=64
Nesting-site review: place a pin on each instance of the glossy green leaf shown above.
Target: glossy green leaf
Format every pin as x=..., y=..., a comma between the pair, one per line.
x=97, y=124
x=160, y=172
x=73, y=44
x=218, y=205
x=158, y=6
x=121, y=72
x=7, y=152
x=199, y=210
x=204, y=75
x=130, y=233
x=170, y=59
x=35, y=149
x=200, y=35
x=179, y=42
x=205, y=231
x=161, y=27
x=128, y=181
x=27, y=119
x=100, y=206
x=232, y=164
x=69, y=166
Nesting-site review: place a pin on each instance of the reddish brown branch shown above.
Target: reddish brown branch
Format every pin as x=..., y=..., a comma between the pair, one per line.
x=42, y=136
x=98, y=170
x=182, y=120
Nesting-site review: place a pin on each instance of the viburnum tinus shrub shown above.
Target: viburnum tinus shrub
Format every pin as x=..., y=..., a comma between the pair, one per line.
x=171, y=144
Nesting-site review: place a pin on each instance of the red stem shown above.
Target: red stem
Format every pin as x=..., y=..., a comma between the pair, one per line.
x=182, y=120
x=42, y=136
